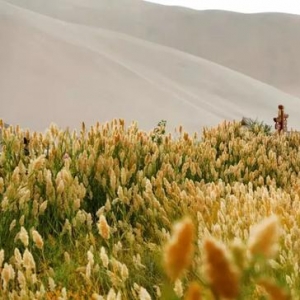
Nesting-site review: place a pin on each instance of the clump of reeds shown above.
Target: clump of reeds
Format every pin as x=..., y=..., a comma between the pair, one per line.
x=85, y=214
x=227, y=278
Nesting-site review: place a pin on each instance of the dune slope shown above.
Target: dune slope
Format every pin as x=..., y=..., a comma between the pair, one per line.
x=264, y=46
x=56, y=71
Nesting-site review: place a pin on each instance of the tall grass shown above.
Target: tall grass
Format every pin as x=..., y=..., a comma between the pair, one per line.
x=89, y=214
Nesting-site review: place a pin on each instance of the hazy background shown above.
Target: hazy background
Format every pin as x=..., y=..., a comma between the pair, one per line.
x=66, y=61
x=242, y=6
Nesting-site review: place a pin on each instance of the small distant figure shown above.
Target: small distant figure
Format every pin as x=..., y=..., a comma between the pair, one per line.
x=281, y=120
x=26, y=146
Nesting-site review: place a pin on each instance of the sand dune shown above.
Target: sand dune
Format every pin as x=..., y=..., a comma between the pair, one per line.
x=65, y=72
x=263, y=46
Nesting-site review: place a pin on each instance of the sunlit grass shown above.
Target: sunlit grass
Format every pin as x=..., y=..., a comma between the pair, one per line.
x=89, y=214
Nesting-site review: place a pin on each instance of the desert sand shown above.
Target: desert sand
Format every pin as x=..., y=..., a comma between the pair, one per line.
x=85, y=60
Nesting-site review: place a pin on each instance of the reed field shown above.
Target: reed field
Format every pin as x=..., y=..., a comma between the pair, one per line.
x=113, y=212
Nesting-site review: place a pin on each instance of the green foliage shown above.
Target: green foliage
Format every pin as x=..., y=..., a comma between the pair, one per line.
x=159, y=132
x=256, y=126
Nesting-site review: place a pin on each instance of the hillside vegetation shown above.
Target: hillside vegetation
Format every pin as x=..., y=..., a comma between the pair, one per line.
x=90, y=215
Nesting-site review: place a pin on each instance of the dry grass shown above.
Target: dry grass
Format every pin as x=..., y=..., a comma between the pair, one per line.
x=89, y=215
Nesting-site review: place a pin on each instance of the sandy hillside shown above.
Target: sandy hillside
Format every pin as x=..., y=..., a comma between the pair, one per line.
x=264, y=46
x=55, y=70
